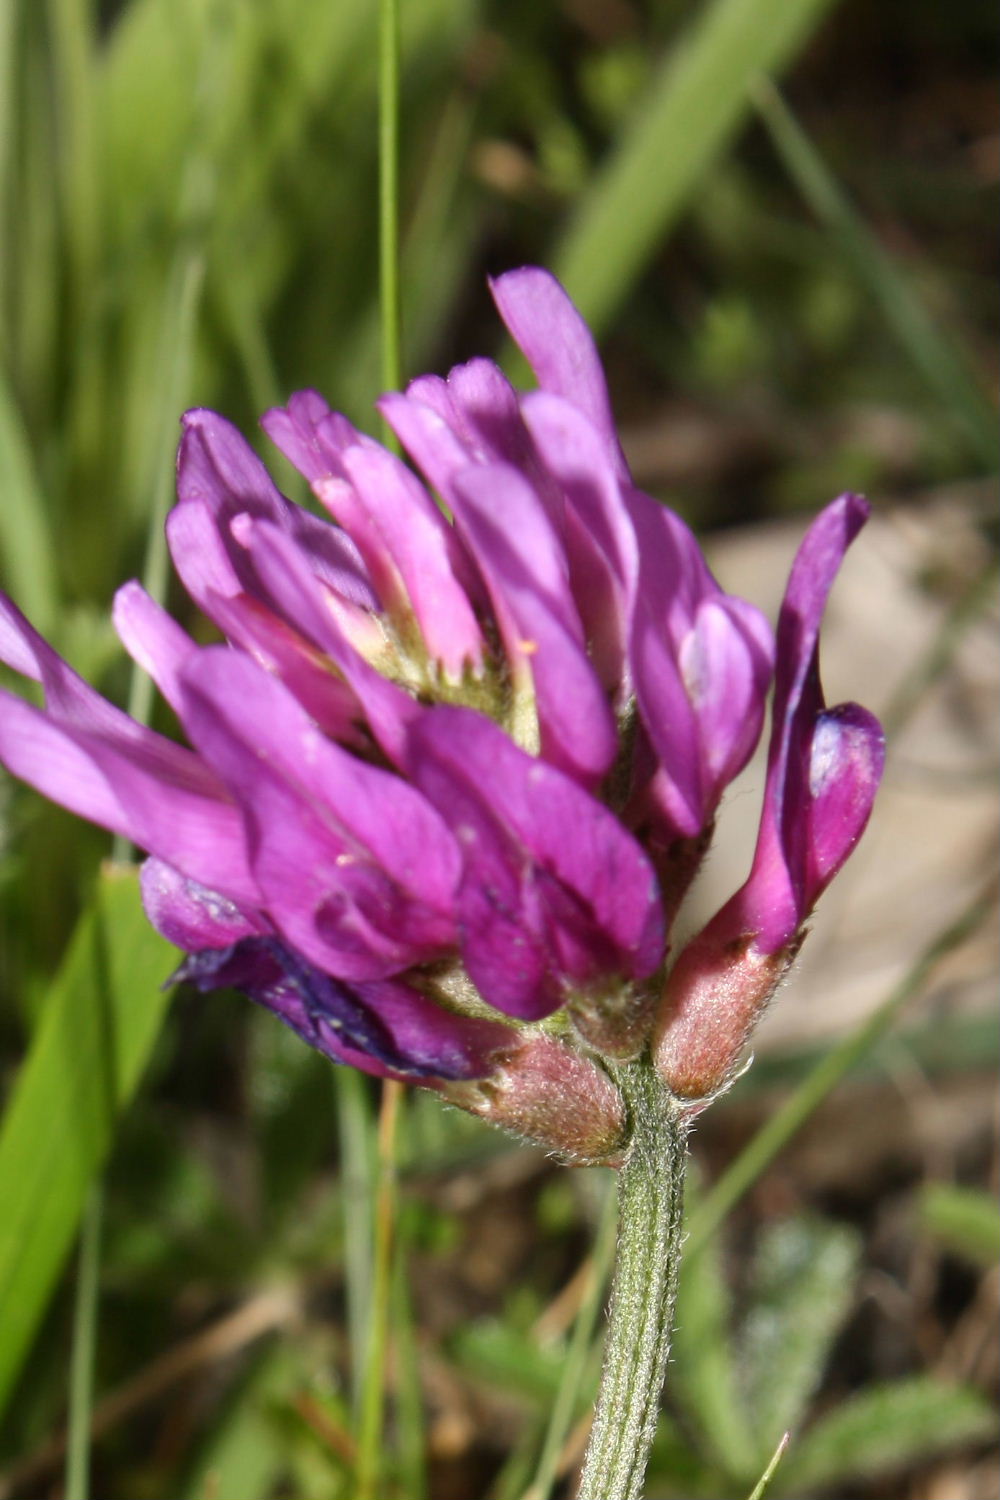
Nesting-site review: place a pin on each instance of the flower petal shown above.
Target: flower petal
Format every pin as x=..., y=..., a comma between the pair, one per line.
x=559, y=347
x=356, y=869
x=188, y=914
x=846, y=759
x=311, y=436
x=283, y=577
x=153, y=639
x=555, y=893
x=599, y=536
x=726, y=663
x=823, y=765
x=166, y=811
x=523, y=563
x=403, y=524
x=701, y=662
x=386, y=1028
x=216, y=467
x=73, y=703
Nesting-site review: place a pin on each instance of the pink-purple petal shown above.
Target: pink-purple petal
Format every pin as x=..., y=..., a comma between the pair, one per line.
x=526, y=572
x=559, y=347
x=428, y=436
x=152, y=638
x=549, y=874
x=824, y=764
x=599, y=537
x=188, y=914
x=166, y=808
x=403, y=524
x=845, y=767
x=71, y=702
x=311, y=436
x=287, y=582
x=217, y=468
x=386, y=1028
x=356, y=869
x=726, y=666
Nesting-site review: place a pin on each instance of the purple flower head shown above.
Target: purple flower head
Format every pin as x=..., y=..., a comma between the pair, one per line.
x=461, y=751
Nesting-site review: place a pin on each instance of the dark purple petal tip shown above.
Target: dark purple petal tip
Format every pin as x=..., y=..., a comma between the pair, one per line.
x=388, y=1028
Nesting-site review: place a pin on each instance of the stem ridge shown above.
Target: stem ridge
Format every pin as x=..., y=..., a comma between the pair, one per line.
x=643, y=1293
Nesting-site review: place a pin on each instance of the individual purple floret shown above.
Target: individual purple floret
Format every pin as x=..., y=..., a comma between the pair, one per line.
x=824, y=767
x=463, y=748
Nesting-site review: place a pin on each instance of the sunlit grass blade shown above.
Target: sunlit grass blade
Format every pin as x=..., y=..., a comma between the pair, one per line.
x=754, y=1159
x=761, y=1487
x=87, y=1056
x=941, y=363
x=693, y=107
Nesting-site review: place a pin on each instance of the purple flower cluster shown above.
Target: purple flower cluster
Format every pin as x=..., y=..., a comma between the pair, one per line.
x=453, y=769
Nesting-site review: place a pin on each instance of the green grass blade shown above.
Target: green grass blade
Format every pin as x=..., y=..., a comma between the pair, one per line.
x=764, y=1482
x=370, y=1457
x=694, y=106
x=81, y=1376
x=177, y=352
x=26, y=552
x=388, y=194
x=355, y=1134
x=86, y=1058
x=934, y=354
x=411, y=1422
x=71, y=32
x=9, y=23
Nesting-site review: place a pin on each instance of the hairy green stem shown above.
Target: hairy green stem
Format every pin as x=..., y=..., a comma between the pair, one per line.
x=640, y=1317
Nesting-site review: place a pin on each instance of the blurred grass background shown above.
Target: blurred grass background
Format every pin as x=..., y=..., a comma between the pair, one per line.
x=794, y=293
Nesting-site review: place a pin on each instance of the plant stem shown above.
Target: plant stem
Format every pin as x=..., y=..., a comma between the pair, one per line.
x=640, y=1318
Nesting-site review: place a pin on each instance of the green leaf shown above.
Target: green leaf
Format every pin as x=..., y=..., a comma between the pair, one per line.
x=494, y=1352
x=801, y=1288
x=703, y=1372
x=87, y=1056
x=965, y=1220
x=246, y=1453
x=693, y=107
x=887, y=1427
